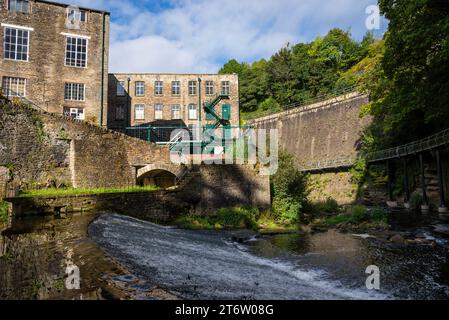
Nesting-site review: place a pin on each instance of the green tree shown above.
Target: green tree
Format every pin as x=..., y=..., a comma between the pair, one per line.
x=412, y=81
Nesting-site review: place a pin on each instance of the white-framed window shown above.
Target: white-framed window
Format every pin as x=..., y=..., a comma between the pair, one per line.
x=140, y=88
x=76, y=15
x=76, y=52
x=119, y=112
x=120, y=88
x=16, y=44
x=14, y=87
x=158, y=88
x=19, y=6
x=193, y=113
x=192, y=88
x=176, y=88
x=209, y=88
x=225, y=88
x=74, y=91
x=139, y=112
x=175, y=112
x=158, y=112
x=75, y=113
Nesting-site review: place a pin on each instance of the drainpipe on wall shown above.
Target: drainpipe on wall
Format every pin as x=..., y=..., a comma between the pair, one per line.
x=128, y=107
x=102, y=71
x=200, y=108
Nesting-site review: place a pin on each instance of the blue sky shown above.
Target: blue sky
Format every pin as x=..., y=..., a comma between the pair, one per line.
x=200, y=35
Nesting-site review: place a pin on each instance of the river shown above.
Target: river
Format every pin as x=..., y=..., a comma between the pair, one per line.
x=122, y=257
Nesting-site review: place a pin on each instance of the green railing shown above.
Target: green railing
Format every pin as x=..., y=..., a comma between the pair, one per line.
x=432, y=142
x=437, y=140
x=305, y=102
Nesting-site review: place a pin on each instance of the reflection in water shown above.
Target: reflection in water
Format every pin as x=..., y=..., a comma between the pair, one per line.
x=33, y=259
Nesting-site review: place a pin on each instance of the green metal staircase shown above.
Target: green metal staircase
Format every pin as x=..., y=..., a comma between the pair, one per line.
x=209, y=109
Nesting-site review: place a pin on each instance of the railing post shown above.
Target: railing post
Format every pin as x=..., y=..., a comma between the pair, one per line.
x=425, y=206
x=390, y=173
x=406, y=184
x=442, y=208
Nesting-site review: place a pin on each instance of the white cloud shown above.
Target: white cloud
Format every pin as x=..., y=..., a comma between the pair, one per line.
x=198, y=35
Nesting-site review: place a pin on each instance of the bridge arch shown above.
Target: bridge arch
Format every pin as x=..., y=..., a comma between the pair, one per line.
x=159, y=174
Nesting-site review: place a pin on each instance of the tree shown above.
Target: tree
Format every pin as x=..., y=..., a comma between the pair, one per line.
x=414, y=72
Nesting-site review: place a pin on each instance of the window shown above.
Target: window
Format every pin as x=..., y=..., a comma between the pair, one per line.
x=76, y=52
x=158, y=88
x=120, y=88
x=75, y=113
x=76, y=15
x=16, y=44
x=19, y=6
x=119, y=112
x=225, y=88
x=15, y=87
x=176, y=112
x=193, y=115
x=209, y=88
x=176, y=88
x=158, y=112
x=74, y=91
x=139, y=112
x=140, y=88
x=192, y=88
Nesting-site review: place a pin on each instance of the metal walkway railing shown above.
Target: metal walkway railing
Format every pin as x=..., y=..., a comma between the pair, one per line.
x=429, y=143
x=319, y=98
x=432, y=142
x=322, y=165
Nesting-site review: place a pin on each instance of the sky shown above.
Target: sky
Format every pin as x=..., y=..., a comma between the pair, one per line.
x=199, y=36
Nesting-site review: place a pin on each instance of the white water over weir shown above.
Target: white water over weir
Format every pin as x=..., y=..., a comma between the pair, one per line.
x=208, y=265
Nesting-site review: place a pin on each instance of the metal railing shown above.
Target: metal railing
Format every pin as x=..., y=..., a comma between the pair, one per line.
x=317, y=165
x=11, y=96
x=437, y=140
x=305, y=102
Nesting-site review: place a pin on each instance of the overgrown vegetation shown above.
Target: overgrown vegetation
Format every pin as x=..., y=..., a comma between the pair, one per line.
x=3, y=212
x=289, y=190
x=226, y=218
x=298, y=73
x=68, y=192
x=358, y=214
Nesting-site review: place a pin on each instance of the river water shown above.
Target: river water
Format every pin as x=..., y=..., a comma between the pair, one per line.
x=122, y=257
x=330, y=265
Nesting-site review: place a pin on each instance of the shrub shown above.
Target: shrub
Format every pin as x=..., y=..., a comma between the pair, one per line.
x=378, y=214
x=4, y=212
x=286, y=209
x=237, y=217
x=416, y=200
x=289, y=189
x=359, y=214
x=328, y=206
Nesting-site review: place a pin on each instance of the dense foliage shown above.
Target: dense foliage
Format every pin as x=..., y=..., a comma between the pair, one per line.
x=289, y=189
x=297, y=73
x=408, y=74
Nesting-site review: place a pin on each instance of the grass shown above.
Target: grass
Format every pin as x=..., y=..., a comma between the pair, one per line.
x=245, y=217
x=225, y=218
x=358, y=214
x=69, y=192
x=3, y=212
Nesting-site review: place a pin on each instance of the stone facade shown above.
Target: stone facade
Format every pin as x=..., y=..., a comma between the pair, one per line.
x=239, y=185
x=46, y=149
x=322, y=131
x=46, y=69
x=147, y=96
